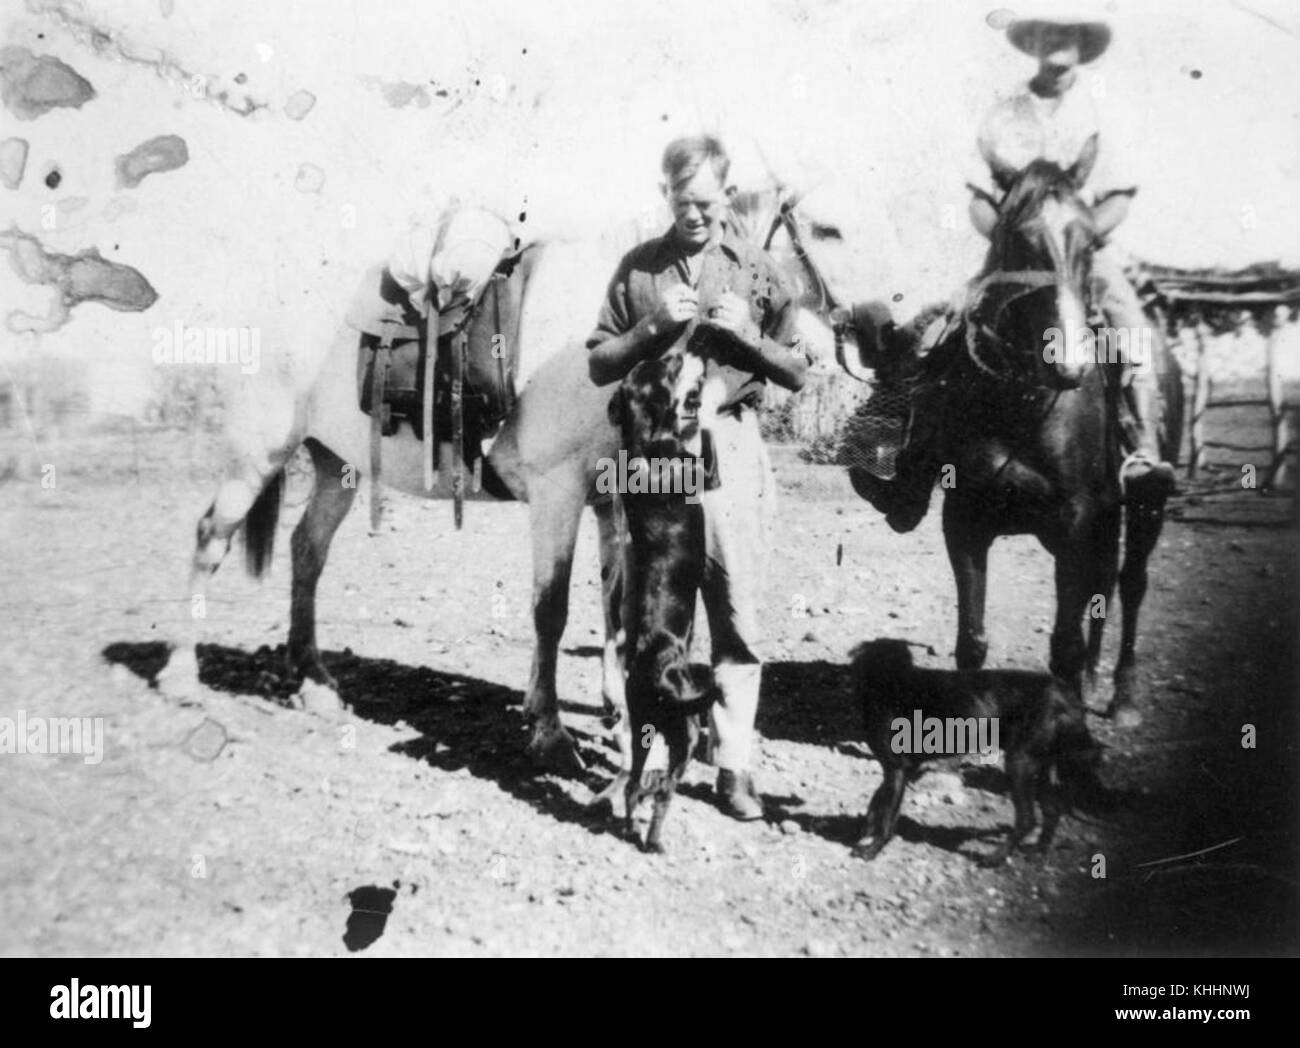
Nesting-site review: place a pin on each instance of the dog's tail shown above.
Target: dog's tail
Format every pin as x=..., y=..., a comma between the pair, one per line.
x=1078, y=757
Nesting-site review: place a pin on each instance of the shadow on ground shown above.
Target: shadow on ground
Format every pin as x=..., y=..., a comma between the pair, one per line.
x=464, y=722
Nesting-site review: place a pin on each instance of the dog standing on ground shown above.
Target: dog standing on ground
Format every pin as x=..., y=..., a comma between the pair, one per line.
x=1040, y=727
x=656, y=410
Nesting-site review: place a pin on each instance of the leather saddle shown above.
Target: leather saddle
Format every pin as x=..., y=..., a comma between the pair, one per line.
x=463, y=393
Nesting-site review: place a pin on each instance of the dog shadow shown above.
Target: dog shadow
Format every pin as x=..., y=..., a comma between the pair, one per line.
x=463, y=722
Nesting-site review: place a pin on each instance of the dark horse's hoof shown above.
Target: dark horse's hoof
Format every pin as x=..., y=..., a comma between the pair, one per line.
x=992, y=862
x=1124, y=705
x=882, y=494
x=903, y=509
x=554, y=749
x=867, y=848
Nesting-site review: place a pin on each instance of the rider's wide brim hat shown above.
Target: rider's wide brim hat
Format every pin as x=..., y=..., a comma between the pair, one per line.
x=1026, y=34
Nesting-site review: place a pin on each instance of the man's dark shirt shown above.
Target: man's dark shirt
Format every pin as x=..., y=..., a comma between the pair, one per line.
x=732, y=264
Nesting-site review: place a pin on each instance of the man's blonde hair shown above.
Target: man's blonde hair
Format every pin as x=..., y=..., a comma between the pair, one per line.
x=684, y=156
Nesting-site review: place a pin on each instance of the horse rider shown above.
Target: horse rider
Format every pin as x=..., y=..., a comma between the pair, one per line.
x=701, y=287
x=1052, y=118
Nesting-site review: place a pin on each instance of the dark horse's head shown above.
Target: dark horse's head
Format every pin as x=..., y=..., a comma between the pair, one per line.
x=1033, y=303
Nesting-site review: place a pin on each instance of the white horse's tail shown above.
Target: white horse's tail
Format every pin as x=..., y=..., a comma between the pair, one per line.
x=260, y=525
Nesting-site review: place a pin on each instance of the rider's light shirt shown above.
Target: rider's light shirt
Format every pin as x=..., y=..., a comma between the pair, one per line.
x=1024, y=126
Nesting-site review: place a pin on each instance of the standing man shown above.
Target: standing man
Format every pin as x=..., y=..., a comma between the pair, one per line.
x=702, y=289
x=1050, y=117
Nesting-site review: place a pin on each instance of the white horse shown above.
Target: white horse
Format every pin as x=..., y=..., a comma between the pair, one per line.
x=548, y=453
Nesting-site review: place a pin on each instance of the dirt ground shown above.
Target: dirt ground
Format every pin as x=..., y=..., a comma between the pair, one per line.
x=413, y=825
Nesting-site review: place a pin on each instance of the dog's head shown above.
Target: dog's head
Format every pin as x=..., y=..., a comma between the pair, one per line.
x=657, y=407
x=878, y=662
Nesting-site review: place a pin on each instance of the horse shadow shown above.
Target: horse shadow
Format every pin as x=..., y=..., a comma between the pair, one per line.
x=463, y=722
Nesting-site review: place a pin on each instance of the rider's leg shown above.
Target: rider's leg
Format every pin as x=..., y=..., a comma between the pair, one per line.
x=1144, y=475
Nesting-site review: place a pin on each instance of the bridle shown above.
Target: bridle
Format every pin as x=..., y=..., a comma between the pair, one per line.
x=981, y=328
x=838, y=318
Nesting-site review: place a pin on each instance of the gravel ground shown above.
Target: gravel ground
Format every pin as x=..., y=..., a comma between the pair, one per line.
x=413, y=825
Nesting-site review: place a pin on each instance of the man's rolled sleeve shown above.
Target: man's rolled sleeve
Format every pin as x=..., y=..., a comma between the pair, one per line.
x=615, y=317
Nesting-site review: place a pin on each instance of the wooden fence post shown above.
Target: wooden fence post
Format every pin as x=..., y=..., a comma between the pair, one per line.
x=1201, y=400
x=1277, y=470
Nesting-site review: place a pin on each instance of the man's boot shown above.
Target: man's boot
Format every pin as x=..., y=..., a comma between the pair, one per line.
x=737, y=795
x=1144, y=476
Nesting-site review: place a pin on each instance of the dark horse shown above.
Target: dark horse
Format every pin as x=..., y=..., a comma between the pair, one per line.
x=1030, y=441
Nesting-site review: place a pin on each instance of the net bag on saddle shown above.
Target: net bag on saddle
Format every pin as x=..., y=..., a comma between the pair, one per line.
x=882, y=425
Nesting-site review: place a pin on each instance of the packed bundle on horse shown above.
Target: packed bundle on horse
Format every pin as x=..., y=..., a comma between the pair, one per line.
x=455, y=390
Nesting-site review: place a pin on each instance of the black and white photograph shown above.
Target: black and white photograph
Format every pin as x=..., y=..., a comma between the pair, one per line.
x=692, y=479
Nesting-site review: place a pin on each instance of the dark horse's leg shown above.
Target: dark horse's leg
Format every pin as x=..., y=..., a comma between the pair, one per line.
x=1076, y=585
x=968, y=551
x=1107, y=568
x=1084, y=549
x=1141, y=531
x=331, y=498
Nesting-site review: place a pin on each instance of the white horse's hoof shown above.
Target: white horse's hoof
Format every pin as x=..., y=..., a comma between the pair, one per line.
x=319, y=699
x=555, y=750
x=179, y=679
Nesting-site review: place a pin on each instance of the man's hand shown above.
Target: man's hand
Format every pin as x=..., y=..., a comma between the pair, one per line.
x=612, y=359
x=678, y=305
x=731, y=314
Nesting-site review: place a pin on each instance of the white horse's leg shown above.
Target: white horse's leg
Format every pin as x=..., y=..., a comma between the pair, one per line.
x=555, y=511
x=331, y=498
x=263, y=430
x=247, y=494
x=609, y=519
x=610, y=524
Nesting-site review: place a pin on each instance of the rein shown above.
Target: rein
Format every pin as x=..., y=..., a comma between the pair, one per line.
x=1027, y=281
